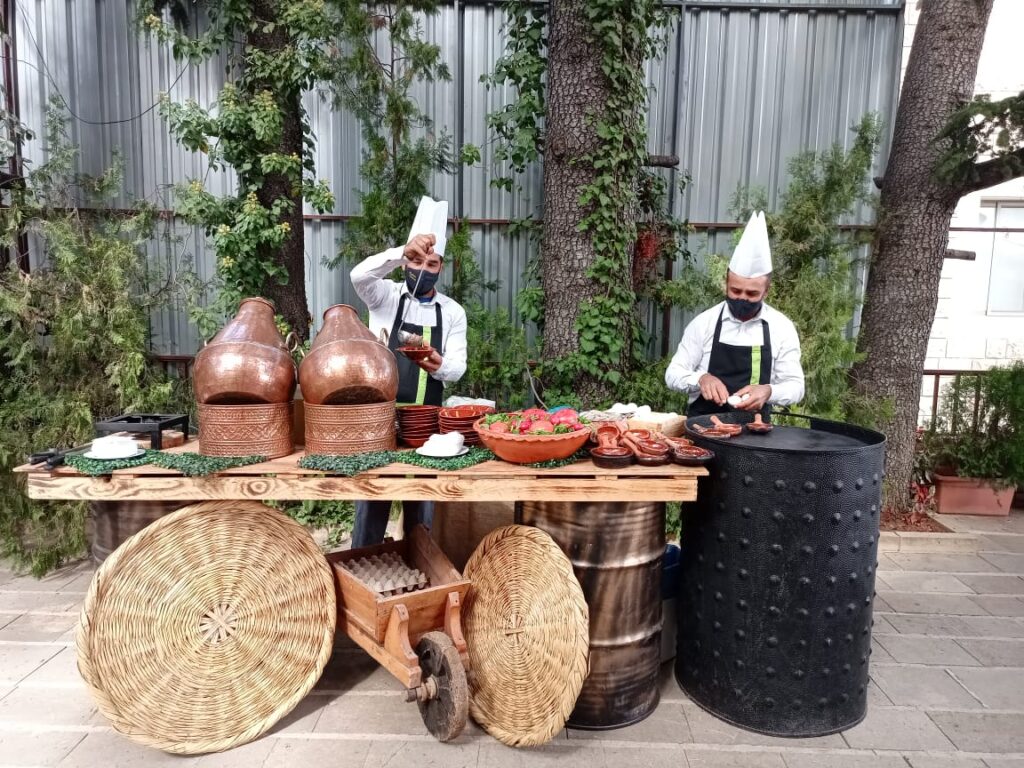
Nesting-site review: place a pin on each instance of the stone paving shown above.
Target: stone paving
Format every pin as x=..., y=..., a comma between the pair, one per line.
x=947, y=691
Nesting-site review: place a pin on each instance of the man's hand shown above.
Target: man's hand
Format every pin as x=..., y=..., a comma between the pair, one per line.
x=759, y=394
x=432, y=363
x=712, y=389
x=420, y=246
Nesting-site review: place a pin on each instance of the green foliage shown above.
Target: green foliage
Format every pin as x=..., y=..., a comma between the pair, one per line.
x=337, y=518
x=983, y=130
x=73, y=338
x=246, y=130
x=518, y=123
x=980, y=430
x=402, y=150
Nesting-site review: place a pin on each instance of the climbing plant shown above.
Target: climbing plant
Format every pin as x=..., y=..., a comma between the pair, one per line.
x=256, y=127
x=517, y=125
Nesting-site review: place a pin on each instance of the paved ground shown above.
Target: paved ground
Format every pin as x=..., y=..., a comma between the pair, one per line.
x=948, y=691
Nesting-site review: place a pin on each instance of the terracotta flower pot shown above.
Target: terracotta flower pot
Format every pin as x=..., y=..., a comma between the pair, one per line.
x=971, y=496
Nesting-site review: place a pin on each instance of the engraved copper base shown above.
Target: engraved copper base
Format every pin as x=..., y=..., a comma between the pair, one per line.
x=341, y=430
x=246, y=430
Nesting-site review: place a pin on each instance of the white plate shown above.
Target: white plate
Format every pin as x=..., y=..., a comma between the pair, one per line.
x=421, y=452
x=91, y=455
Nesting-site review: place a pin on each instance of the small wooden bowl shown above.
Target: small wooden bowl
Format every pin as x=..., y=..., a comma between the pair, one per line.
x=692, y=457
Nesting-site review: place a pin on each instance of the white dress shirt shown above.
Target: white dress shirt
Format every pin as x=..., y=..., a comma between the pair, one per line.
x=381, y=295
x=691, y=359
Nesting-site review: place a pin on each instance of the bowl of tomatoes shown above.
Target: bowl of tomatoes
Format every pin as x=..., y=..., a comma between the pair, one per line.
x=533, y=435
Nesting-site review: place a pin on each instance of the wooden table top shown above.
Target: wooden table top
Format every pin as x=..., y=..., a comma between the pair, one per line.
x=283, y=479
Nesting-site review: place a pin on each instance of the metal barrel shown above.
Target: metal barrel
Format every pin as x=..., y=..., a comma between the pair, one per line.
x=616, y=551
x=115, y=521
x=777, y=577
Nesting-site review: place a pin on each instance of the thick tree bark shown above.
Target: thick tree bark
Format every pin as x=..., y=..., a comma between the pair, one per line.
x=290, y=297
x=577, y=90
x=912, y=234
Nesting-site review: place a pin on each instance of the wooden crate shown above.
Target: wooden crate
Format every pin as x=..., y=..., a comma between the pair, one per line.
x=388, y=628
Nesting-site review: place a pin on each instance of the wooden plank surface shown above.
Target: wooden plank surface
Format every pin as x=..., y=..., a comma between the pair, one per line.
x=682, y=486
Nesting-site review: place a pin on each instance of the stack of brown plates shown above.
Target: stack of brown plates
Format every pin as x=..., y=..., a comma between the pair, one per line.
x=461, y=419
x=416, y=423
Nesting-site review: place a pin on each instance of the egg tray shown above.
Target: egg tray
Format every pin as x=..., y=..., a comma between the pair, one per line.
x=387, y=574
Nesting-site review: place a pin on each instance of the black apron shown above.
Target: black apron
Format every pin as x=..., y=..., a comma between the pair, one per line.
x=415, y=385
x=736, y=367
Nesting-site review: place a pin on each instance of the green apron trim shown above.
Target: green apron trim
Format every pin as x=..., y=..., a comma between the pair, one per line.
x=755, y=365
x=421, y=388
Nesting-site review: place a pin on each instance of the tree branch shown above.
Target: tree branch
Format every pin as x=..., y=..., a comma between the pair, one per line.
x=995, y=171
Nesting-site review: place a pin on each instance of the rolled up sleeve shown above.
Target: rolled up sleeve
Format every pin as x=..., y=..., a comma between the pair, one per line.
x=787, y=371
x=368, y=277
x=453, y=357
x=686, y=368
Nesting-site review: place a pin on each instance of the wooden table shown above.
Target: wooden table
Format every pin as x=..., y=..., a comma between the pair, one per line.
x=283, y=480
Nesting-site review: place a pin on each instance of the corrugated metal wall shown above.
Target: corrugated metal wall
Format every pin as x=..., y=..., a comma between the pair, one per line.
x=742, y=87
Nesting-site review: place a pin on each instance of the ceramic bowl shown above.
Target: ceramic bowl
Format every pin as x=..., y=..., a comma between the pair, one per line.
x=611, y=458
x=530, y=449
x=692, y=457
x=653, y=461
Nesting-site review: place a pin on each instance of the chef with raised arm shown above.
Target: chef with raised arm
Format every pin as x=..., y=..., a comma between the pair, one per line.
x=741, y=353
x=414, y=313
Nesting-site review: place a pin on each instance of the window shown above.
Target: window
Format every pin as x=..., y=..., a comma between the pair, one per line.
x=1006, y=281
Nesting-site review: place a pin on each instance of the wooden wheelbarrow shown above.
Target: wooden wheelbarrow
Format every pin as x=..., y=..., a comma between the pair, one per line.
x=428, y=620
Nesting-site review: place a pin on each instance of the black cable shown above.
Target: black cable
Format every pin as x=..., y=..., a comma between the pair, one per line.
x=46, y=70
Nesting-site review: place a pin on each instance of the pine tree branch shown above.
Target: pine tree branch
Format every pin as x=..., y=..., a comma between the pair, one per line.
x=995, y=171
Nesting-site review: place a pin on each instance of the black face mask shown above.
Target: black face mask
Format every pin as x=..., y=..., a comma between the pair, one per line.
x=742, y=309
x=427, y=281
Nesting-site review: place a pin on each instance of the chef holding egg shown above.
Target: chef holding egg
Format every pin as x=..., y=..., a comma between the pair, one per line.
x=741, y=353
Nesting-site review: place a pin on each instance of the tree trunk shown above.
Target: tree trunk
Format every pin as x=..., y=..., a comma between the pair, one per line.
x=577, y=90
x=913, y=228
x=289, y=297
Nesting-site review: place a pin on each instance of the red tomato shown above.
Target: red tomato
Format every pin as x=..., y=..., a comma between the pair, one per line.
x=535, y=413
x=566, y=416
x=542, y=426
x=499, y=426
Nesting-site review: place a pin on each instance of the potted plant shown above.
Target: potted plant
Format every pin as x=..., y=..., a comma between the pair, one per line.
x=976, y=451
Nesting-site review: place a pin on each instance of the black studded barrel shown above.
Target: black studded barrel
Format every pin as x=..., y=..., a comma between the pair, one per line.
x=778, y=576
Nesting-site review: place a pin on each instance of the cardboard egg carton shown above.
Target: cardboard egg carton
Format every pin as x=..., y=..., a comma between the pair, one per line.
x=387, y=574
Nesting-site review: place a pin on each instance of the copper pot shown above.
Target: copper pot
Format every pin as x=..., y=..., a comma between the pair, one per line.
x=247, y=363
x=347, y=365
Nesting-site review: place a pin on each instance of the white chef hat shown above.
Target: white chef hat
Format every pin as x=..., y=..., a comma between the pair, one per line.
x=432, y=219
x=753, y=254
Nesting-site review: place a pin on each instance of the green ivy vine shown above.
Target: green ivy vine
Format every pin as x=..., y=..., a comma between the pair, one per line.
x=518, y=123
x=620, y=31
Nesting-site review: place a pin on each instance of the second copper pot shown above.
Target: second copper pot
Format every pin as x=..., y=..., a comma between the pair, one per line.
x=346, y=365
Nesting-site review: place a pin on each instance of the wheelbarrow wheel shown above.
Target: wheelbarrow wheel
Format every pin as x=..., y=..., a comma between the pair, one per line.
x=446, y=707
